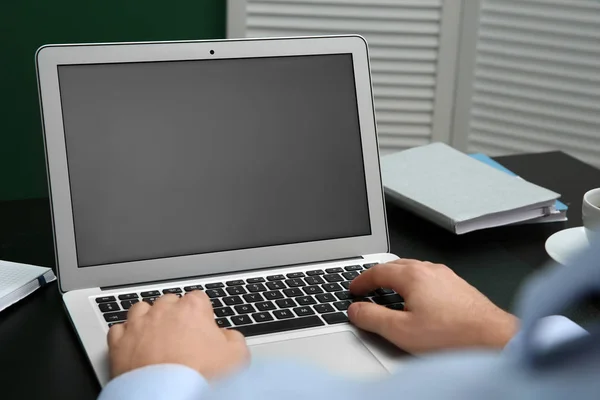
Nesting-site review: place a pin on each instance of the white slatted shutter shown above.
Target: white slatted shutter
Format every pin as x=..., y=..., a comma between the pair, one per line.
x=412, y=45
x=535, y=80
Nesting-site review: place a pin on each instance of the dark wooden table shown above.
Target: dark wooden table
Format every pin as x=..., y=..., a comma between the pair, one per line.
x=40, y=353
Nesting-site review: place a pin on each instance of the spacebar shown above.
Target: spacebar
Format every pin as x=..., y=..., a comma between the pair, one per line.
x=279, y=326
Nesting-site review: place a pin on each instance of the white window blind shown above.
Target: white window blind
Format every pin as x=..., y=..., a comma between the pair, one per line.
x=532, y=80
x=412, y=44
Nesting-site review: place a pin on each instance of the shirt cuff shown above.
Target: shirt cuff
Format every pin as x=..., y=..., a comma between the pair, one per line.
x=156, y=382
x=551, y=331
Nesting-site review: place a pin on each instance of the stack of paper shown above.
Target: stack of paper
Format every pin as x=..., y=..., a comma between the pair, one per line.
x=461, y=193
x=558, y=214
x=19, y=280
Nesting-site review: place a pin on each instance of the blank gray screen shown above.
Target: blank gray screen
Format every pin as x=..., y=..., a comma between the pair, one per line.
x=177, y=158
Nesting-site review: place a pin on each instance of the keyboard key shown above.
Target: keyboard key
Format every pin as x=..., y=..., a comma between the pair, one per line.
x=172, y=290
x=262, y=317
x=241, y=320
x=333, y=278
x=296, y=282
x=105, y=299
x=265, y=306
x=150, y=300
x=237, y=282
x=342, y=305
x=276, y=285
x=335, y=318
x=343, y=295
x=303, y=311
x=346, y=285
x=312, y=290
x=334, y=270
x=115, y=323
x=314, y=280
x=256, y=287
x=236, y=290
x=305, y=300
x=384, y=300
x=273, y=295
x=353, y=268
x=350, y=275
x=245, y=309
x=115, y=316
x=293, y=292
x=324, y=308
x=191, y=288
x=151, y=293
x=383, y=292
x=280, y=326
x=212, y=293
x=396, y=306
x=109, y=307
x=233, y=300
x=367, y=266
x=129, y=296
x=296, y=275
x=325, y=298
x=126, y=304
x=255, y=280
x=224, y=312
x=216, y=303
x=360, y=299
x=332, y=287
x=315, y=272
x=286, y=303
x=275, y=278
x=283, y=314
x=222, y=322
x=216, y=285
x=253, y=297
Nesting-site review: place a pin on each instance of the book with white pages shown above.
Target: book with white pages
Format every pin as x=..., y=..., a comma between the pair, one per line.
x=17, y=281
x=458, y=192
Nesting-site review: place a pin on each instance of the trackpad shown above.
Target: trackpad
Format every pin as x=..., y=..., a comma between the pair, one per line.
x=341, y=353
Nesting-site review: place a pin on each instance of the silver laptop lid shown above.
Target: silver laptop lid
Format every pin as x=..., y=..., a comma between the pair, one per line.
x=181, y=159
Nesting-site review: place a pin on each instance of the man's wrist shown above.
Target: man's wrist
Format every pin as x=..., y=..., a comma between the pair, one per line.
x=498, y=329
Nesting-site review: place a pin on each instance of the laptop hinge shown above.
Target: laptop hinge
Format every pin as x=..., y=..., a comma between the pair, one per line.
x=224, y=273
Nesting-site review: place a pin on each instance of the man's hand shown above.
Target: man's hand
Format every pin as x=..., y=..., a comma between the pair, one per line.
x=175, y=331
x=442, y=310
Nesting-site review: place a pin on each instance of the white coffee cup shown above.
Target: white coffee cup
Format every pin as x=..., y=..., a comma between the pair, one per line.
x=591, y=214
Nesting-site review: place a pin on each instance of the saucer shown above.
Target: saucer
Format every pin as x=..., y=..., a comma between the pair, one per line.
x=563, y=246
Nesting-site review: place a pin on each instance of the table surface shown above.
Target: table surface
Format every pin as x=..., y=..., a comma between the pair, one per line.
x=42, y=357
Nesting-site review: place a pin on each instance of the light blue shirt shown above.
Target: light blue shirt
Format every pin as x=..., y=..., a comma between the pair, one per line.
x=551, y=358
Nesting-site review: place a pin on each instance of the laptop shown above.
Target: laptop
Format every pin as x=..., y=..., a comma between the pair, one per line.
x=245, y=168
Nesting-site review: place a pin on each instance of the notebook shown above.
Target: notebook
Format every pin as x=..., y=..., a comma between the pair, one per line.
x=559, y=213
x=460, y=193
x=20, y=280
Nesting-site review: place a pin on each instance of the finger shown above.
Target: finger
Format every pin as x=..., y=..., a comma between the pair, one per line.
x=234, y=336
x=138, y=310
x=166, y=300
x=200, y=302
x=115, y=333
x=380, y=320
x=238, y=340
x=391, y=275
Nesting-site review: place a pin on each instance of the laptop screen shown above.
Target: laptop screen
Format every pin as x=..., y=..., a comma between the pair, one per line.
x=177, y=158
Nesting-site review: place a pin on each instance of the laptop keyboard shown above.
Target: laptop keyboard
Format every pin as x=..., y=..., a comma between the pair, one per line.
x=270, y=304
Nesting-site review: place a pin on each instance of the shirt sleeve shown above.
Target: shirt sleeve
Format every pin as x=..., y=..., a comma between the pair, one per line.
x=157, y=382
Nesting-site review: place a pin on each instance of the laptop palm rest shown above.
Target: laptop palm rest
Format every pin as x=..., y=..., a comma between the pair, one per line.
x=340, y=353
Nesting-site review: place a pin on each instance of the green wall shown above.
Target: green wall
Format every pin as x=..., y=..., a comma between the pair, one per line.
x=27, y=24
